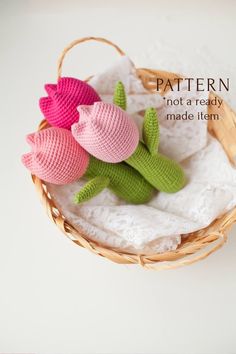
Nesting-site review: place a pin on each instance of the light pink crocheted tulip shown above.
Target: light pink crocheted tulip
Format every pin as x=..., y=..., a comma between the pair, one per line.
x=60, y=107
x=55, y=157
x=106, y=132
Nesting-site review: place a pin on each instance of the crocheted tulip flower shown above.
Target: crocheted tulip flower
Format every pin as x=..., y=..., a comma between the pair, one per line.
x=60, y=107
x=106, y=132
x=57, y=158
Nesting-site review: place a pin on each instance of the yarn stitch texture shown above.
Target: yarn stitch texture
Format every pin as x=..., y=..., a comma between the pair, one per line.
x=106, y=132
x=60, y=107
x=119, y=98
x=161, y=172
x=123, y=180
x=57, y=158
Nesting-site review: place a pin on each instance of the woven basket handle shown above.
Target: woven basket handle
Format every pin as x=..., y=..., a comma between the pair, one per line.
x=79, y=41
x=220, y=240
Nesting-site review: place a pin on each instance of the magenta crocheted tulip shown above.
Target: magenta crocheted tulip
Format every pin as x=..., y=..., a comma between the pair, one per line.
x=60, y=107
x=106, y=132
x=55, y=157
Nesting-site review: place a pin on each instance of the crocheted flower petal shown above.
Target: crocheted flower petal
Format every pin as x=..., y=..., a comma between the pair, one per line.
x=56, y=158
x=30, y=138
x=39, y=157
x=60, y=107
x=45, y=103
x=86, y=110
x=77, y=128
x=27, y=160
x=106, y=132
x=50, y=89
x=69, y=85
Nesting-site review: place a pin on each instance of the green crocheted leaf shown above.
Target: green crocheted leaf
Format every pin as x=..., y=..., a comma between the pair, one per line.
x=151, y=133
x=124, y=181
x=119, y=98
x=91, y=189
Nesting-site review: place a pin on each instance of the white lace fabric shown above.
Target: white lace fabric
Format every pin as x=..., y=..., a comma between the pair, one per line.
x=157, y=226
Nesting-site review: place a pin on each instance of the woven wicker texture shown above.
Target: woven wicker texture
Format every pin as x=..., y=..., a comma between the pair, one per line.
x=194, y=246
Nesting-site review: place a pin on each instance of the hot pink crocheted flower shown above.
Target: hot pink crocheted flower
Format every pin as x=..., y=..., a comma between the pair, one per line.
x=106, y=132
x=55, y=157
x=60, y=107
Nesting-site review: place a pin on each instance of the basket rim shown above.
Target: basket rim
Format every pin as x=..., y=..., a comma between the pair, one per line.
x=195, y=246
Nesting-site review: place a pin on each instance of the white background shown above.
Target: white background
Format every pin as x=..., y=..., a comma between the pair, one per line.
x=56, y=297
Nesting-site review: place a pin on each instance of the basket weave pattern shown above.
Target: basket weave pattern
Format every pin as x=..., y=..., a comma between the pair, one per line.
x=194, y=246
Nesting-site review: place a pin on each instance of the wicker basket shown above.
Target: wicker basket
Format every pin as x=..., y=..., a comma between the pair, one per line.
x=195, y=246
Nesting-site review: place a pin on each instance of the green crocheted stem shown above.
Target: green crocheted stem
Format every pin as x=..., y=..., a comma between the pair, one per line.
x=161, y=172
x=151, y=133
x=124, y=181
x=119, y=98
x=91, y=189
